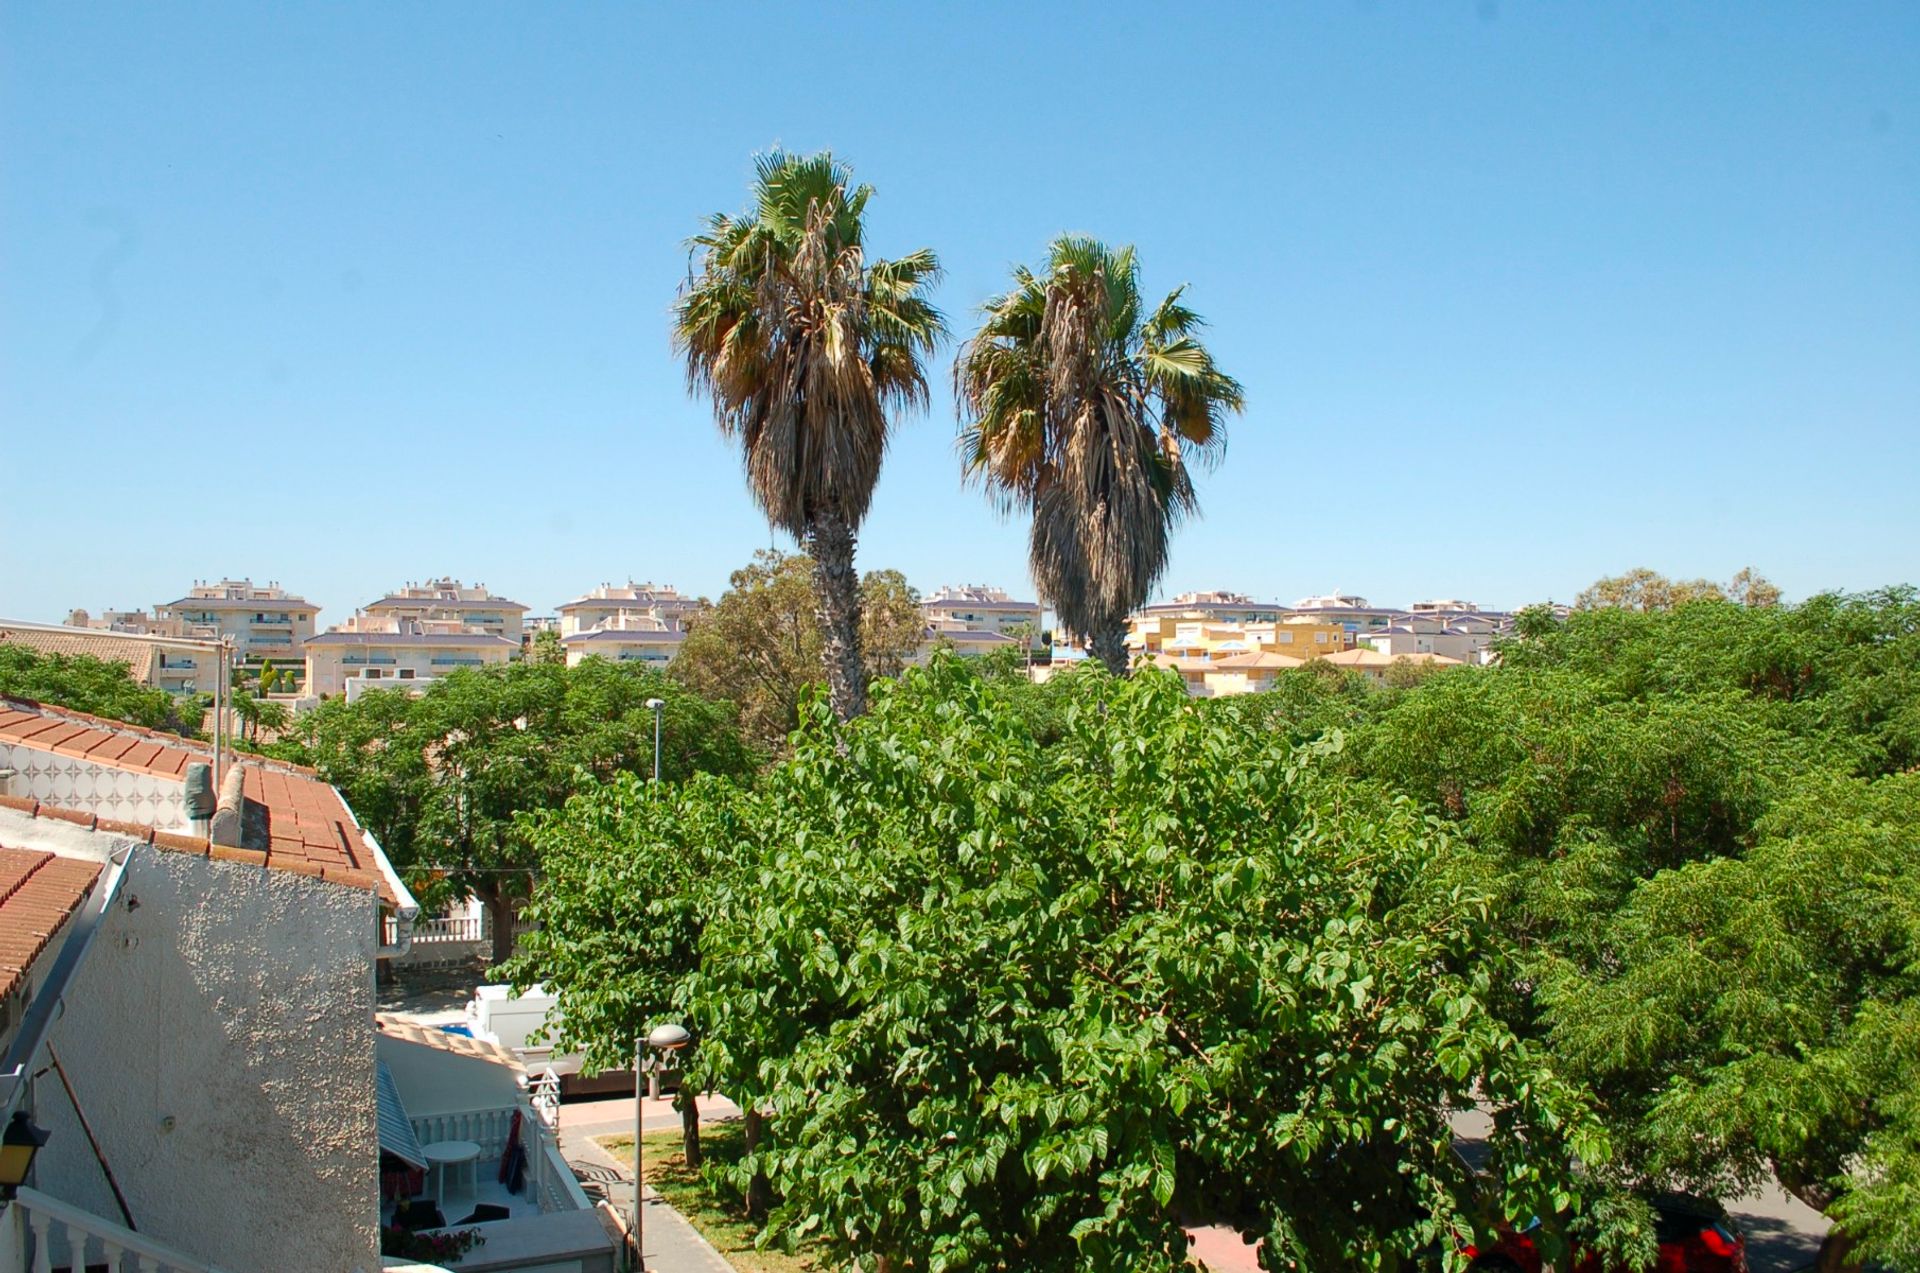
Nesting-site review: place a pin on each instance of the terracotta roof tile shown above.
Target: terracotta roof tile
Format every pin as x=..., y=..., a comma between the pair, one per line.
x=137, y=830
x=75, y=816
x=406, y=1031
x=308, y=826
x=181, y=843
x=38, y=893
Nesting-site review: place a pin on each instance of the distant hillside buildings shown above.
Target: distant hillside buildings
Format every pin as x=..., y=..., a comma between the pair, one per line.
x=1221, y=642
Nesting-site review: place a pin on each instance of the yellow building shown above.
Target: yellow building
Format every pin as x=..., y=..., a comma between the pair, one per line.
x=1248, y=673
x=1302, y=637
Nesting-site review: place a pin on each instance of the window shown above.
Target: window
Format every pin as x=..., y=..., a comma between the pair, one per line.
x=1286, y=638
x=405, y=674
x=372, y=674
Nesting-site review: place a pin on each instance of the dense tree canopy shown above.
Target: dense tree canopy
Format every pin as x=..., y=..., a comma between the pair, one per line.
x=1698, y=821
x=1029, y=976
x=86, y=684
x=759, y=646
x=444, y=778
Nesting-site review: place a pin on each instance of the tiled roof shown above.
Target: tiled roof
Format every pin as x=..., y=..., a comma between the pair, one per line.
x=395, y=1027
x=307, y=826
x=93, y=738
x=1256, y=659
x=38, y=893
x=110, y=647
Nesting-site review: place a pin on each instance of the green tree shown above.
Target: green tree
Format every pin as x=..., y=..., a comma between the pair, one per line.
x=1757, y=1015
x=759, y=646
x=257, y=713
x=806, y=347
x=545, y=648
x=444, y=779
x=1010, y=1005
x=628, y=868
x=1080, y=407
x=1697, y=822
x=83, y=683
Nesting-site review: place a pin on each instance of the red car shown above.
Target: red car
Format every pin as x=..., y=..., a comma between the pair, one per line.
x=1695, y=1235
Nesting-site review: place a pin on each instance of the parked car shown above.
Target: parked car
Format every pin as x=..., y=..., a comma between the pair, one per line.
x=1695, y=1235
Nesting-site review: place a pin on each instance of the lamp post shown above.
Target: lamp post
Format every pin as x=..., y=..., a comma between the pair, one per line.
x=655, y=705
x=18, y=1146
x=663, y=1038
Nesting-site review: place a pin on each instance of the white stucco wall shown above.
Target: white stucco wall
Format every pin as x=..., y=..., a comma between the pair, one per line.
x=219, y=1038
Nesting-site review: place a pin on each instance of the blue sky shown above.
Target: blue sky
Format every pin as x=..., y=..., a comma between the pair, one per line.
x=1521, y=294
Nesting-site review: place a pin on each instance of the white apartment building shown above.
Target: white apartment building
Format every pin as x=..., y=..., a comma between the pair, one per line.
x=262, y=621
x=382, y=648
x=450, y=600
x=1217, y=606
x=978, y=608
x=964, y=639
x=1355, y=613
x=633, y=604
x=626, y=638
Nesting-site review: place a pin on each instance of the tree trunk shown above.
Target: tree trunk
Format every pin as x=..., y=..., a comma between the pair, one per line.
x=689, y=1124
x=757, y=1189
x=830, y=543
x=1836, y=1254
x=500, y=915
x=1109, y=645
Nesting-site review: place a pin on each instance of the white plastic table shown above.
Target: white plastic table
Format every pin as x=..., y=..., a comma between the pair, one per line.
x=442, y=1154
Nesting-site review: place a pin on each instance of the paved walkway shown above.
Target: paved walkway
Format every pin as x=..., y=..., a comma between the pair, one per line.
x=668, y=1243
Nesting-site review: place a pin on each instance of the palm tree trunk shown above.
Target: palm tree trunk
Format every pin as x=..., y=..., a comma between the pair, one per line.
x=830, y=543
x=1109, y=645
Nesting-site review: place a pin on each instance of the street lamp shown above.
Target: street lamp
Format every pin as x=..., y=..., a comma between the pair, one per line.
x=655, y=705
x=17, y=1147
x=663, y=1038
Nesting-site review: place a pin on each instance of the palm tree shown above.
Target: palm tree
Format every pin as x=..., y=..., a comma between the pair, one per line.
x=1081, y=408
x=806, y=347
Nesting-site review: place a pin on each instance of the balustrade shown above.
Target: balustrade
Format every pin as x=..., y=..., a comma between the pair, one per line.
x=48, y=1234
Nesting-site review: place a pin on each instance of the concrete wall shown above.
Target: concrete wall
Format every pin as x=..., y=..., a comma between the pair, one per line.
x=219, y=1040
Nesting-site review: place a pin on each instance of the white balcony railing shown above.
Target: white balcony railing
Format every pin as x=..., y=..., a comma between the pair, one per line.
x=554, y=1187
x=40, y=1234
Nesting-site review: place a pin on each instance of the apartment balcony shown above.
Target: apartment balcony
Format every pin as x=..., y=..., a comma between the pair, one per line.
x=41, y=1234
x=550, y=1223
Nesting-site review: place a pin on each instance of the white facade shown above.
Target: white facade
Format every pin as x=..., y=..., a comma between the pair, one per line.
x=978, y=608
x=447, y=599
x=629, y=640
x=397, y=652
x=611, y=605
x=262, y=621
